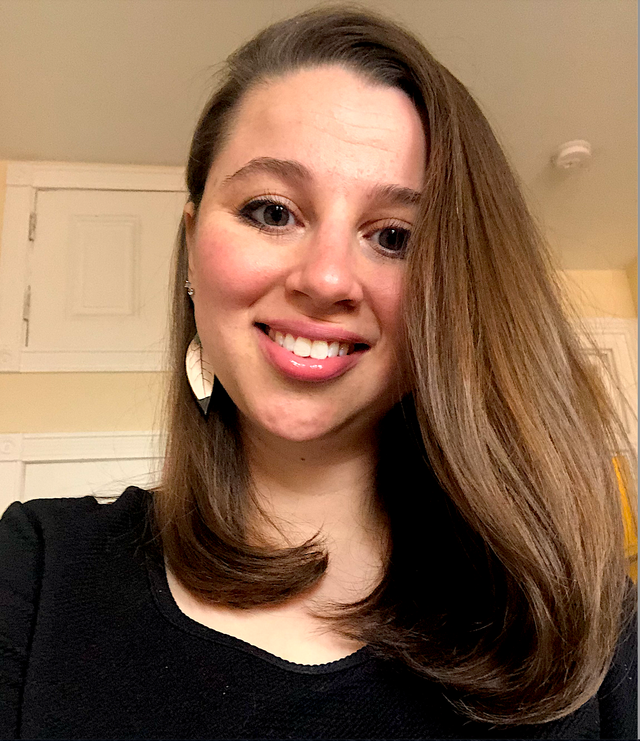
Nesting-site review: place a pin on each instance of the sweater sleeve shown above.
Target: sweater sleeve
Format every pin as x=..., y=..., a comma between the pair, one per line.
x=618, y=695
x=20, y=570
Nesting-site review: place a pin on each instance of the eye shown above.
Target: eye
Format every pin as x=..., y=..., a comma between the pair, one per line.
x=392, y=239
x=266, y=213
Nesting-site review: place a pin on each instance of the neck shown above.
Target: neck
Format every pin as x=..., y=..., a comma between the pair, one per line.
x=319, y=485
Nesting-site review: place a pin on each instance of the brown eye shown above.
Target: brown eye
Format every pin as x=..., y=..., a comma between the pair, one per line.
x=276, y=215
x=268, y=213
x=393, y=239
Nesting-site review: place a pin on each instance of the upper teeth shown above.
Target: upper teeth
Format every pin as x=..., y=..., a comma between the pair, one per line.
x=305, y=348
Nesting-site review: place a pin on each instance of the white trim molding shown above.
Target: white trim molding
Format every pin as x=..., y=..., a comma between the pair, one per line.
x=23, y=181
x=89, y=176
x=45, y=447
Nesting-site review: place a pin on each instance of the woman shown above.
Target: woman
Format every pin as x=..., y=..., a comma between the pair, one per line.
x=388, y=508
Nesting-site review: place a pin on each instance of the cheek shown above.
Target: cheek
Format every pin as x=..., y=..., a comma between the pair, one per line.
x=228, y=273
x=395, y=369
x=388, y=302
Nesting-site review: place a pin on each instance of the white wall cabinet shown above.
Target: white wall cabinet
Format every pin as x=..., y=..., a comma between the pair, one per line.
x=85, y=265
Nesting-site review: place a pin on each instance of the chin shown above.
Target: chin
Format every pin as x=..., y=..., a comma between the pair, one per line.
x=321, y=425
x=300, y=431
x=299, y=426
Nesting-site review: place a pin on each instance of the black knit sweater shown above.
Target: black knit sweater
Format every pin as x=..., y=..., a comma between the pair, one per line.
x=92, y=646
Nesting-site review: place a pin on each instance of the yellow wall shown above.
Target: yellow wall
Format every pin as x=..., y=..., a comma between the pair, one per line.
x=610, y=293
x=98, y=402
x=3, y=189
x=79, y=402
x=632, y=277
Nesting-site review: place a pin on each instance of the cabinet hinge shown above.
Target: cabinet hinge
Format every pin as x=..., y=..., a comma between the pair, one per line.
x=26, y=310
x=32, y=226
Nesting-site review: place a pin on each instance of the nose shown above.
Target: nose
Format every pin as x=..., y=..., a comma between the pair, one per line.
x=326, y=275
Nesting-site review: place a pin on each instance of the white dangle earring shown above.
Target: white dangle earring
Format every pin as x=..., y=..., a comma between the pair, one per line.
x=199, y=374
x=199, y=371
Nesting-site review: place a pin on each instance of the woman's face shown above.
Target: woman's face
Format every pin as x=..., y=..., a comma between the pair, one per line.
x=300, y=232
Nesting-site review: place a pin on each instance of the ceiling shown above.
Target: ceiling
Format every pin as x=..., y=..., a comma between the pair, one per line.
x=123, y=81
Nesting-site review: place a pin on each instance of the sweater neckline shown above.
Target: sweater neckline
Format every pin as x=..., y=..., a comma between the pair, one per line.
x=169, y=609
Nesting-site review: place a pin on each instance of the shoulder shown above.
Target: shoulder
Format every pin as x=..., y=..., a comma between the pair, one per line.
x=70, y=509
x=66, y=549
x=70, y=522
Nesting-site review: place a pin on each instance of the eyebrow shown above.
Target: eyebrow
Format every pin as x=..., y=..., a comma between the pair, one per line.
x=292, y=170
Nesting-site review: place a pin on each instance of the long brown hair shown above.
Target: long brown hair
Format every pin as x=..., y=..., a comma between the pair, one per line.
x=507, y=574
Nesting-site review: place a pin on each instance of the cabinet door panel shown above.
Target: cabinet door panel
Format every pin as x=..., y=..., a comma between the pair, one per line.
x=99, y=273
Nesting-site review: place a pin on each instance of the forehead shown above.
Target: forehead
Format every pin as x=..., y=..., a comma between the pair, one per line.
x=332, y=120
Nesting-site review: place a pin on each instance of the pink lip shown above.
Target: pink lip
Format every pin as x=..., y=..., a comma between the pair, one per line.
x=305, y=369
x=315, y=331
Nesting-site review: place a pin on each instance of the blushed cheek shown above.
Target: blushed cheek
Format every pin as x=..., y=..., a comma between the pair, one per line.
x=226, y=273
x=390, y=312
x=389, y=301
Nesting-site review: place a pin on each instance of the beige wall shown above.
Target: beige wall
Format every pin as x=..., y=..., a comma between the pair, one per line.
x=98, y=402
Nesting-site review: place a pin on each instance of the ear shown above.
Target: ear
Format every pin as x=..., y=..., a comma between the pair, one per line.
x=189, y=216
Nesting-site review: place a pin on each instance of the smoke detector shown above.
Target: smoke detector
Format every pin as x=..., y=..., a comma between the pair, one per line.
x=572, y=155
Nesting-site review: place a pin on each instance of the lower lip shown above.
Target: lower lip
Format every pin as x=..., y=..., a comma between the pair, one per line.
x=306, y=369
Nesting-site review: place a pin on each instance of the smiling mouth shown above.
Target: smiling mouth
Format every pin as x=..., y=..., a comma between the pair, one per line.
x=304, y=347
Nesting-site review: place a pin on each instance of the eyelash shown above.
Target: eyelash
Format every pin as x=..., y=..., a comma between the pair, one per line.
x=244, y=213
